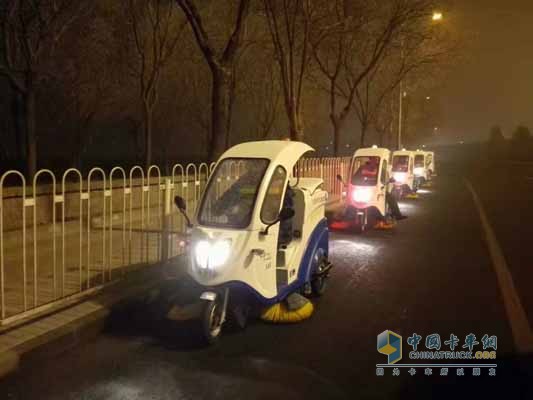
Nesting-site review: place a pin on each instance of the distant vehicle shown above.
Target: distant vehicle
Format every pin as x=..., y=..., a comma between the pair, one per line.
x=430, y=164
x=403, y=173
x=260, y=234
x=421, y=170
x=367, y=187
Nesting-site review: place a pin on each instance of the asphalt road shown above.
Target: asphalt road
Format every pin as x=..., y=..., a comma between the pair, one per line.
x=506, y=190
x=431, y=274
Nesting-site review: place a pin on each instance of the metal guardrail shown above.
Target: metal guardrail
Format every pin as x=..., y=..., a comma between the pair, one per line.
x=69, y=236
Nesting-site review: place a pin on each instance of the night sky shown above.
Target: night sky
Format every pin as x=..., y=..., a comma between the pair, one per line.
x=493, y=84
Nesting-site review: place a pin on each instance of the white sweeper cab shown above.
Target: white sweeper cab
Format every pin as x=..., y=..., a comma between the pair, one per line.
x=403, y=173
x=430, y=164
x=421, y=170
x=259, y=234
x=366, y=190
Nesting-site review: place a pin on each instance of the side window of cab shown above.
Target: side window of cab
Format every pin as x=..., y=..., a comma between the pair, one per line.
x=273, y=196
x=384, y=172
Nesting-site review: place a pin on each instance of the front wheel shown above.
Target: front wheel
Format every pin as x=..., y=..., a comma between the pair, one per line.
x=210, y=324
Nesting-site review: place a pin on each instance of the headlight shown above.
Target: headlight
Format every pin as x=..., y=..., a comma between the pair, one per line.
x=362, y=195
x=400, y=177
x=419, y=171
x=212, y=255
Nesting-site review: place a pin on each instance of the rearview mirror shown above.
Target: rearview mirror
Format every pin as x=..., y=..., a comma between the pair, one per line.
x=180, y=203
x=284, y=214
x=182, y=206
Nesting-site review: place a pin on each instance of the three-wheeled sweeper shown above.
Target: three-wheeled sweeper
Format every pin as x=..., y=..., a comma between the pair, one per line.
x=405, y=183
x=430, y=164
x=258, y=236
x=420, y=170
x=365, y=202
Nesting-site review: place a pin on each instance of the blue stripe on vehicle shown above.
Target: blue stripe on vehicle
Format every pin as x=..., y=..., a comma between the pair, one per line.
x=317, y=243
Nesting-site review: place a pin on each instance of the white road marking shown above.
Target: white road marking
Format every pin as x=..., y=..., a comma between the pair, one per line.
x=522, y=334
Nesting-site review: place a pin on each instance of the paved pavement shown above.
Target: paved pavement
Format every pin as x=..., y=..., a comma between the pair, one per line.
x=432, y=274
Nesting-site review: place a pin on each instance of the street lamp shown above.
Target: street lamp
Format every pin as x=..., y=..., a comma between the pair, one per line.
x=436, y=17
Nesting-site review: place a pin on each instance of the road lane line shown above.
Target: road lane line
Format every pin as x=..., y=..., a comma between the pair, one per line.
x=522, y=334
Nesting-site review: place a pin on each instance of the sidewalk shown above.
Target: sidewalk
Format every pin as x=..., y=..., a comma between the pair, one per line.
x=63, y=328
x=34, y=277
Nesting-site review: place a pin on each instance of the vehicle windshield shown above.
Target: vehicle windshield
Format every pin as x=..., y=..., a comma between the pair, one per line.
x=365, y=171
x=230, y=197
x=400, y=163
x=419, y=161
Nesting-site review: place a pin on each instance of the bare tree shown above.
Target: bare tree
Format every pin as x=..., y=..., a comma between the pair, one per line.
x=222, y=66
x=156, y=32
x=348, y=43
x=289, y=24
x=383, y=120
x=419, y=58
x=31, y=31
x=260, y=88
x=377, y=87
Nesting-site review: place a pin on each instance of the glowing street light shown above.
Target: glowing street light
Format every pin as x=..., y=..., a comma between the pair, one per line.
x=437, y=16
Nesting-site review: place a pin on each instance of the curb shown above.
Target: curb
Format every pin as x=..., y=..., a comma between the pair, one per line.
x=60, y=331
x=9, y=362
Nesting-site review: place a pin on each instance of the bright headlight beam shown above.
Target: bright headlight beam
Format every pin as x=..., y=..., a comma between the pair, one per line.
x=362, y=195
x=400, y=176
x=201, y=252
x=419, y=171
x=212, y=255
x=219, y=253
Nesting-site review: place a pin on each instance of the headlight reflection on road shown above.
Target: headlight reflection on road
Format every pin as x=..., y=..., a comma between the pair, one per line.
x=407, y=206
x=360, y=249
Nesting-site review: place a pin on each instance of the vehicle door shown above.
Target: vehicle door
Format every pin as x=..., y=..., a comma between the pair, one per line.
x=383, y=185
x=267, y=246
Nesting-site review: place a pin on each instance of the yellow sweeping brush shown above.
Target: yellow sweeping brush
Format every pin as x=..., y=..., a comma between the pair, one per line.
x=382, y=225
x=286, y=311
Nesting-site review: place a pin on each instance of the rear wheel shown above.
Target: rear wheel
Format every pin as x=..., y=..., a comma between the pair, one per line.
x=319, y=282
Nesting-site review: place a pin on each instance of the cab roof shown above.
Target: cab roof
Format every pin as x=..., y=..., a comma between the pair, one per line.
x=283, y=152
x=403, y=153
x=372, y=152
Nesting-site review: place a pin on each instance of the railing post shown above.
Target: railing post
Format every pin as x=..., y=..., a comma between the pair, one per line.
x=165, y=240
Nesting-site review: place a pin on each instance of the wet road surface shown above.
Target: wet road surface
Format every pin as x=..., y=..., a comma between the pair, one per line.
x=431, y=274
x=506, y=190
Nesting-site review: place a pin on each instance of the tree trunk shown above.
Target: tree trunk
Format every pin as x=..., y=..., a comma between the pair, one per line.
x=364, y=128
x=295, y=126
x=220, y=111
x=147, y=130
x=18, y=112
x=31, y=139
